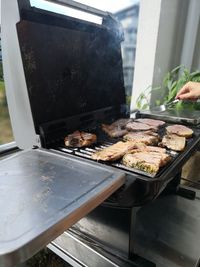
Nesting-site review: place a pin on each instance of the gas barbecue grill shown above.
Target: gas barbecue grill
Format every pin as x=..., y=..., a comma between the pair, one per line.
x=66, y=75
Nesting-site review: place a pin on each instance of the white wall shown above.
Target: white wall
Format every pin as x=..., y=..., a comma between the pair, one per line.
x=148, y=26
x=161, y=33
x=190, y=52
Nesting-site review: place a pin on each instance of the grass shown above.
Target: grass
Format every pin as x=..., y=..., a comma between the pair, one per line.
x=6, y=135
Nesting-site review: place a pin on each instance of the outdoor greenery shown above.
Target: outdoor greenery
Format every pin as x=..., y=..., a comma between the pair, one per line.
x=1, y=71
x=171, y=84
x=5, y=126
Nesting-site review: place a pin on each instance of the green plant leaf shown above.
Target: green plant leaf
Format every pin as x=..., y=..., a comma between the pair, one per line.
x=172, y=82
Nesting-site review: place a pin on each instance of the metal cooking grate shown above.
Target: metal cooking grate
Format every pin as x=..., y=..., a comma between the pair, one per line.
x=88, y=151
x=104, y=141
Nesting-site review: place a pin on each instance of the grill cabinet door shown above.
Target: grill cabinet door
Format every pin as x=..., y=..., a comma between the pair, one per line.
x=42, y=194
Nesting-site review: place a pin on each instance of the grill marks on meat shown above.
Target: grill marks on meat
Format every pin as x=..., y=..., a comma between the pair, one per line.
x=114, y=152
x=117, y=128
x=139, y=126
x=151, y=122
x=80, y=139
x=149, y=162
x=146, y=137
x=174, y=142
x=179, y=130
x=148, y=159
x=144, y=148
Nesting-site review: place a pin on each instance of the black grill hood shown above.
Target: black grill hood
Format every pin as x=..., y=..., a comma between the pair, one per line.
x=71, y=67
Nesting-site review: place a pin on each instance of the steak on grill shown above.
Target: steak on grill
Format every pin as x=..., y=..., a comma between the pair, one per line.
x=121, y=122
x=145, y=148
x=146, y=161
x=138, y=126
x=180, y=130
x=117, y=128
x=114, y=152
x=146, y=137
x=114, y=131
x=174, y=142
x=151, y=122
x=80, y=139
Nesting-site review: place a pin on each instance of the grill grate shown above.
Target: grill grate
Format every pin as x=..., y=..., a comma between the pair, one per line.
x=88, y=151
x=105, y=141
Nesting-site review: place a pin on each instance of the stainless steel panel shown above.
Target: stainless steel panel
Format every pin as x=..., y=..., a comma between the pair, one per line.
x=42, y=194
x=79, y=253
x=177, y=116
x=168, y=231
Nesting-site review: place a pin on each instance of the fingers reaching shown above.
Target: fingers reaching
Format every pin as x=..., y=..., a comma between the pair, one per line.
x=190, y=91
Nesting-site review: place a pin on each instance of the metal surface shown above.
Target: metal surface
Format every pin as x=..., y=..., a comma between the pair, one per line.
x=79, y=252
x=16, y=90
x=43, y=194
x=71, y=88
x=80, y=6
x=8, y=148
x=111, y=226
x=168, y=230
x=164, y=106
x=172, y=115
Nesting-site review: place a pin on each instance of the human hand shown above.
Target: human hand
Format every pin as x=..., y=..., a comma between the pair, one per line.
x=190, y=91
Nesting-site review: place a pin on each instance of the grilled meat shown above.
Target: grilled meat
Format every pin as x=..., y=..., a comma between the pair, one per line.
x=138, y=126
x=117, y=128
x=179, y=130
x=80, y=139
x=174, y=142
x=146, y=137
x=113, y=131
x=151, y=122
x=114, y=152
x=121, y=122
x=149, y=162
x=144, y=148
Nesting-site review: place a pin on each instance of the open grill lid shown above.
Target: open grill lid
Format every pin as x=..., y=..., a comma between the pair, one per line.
x=71, y=66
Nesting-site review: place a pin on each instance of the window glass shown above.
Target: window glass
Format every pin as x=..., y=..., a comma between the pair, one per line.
x=5, y=126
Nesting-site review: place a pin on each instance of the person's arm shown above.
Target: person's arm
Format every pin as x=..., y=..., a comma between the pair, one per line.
x=190, y=91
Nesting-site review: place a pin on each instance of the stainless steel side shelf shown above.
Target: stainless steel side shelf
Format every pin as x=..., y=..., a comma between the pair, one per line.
x=41, y=195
